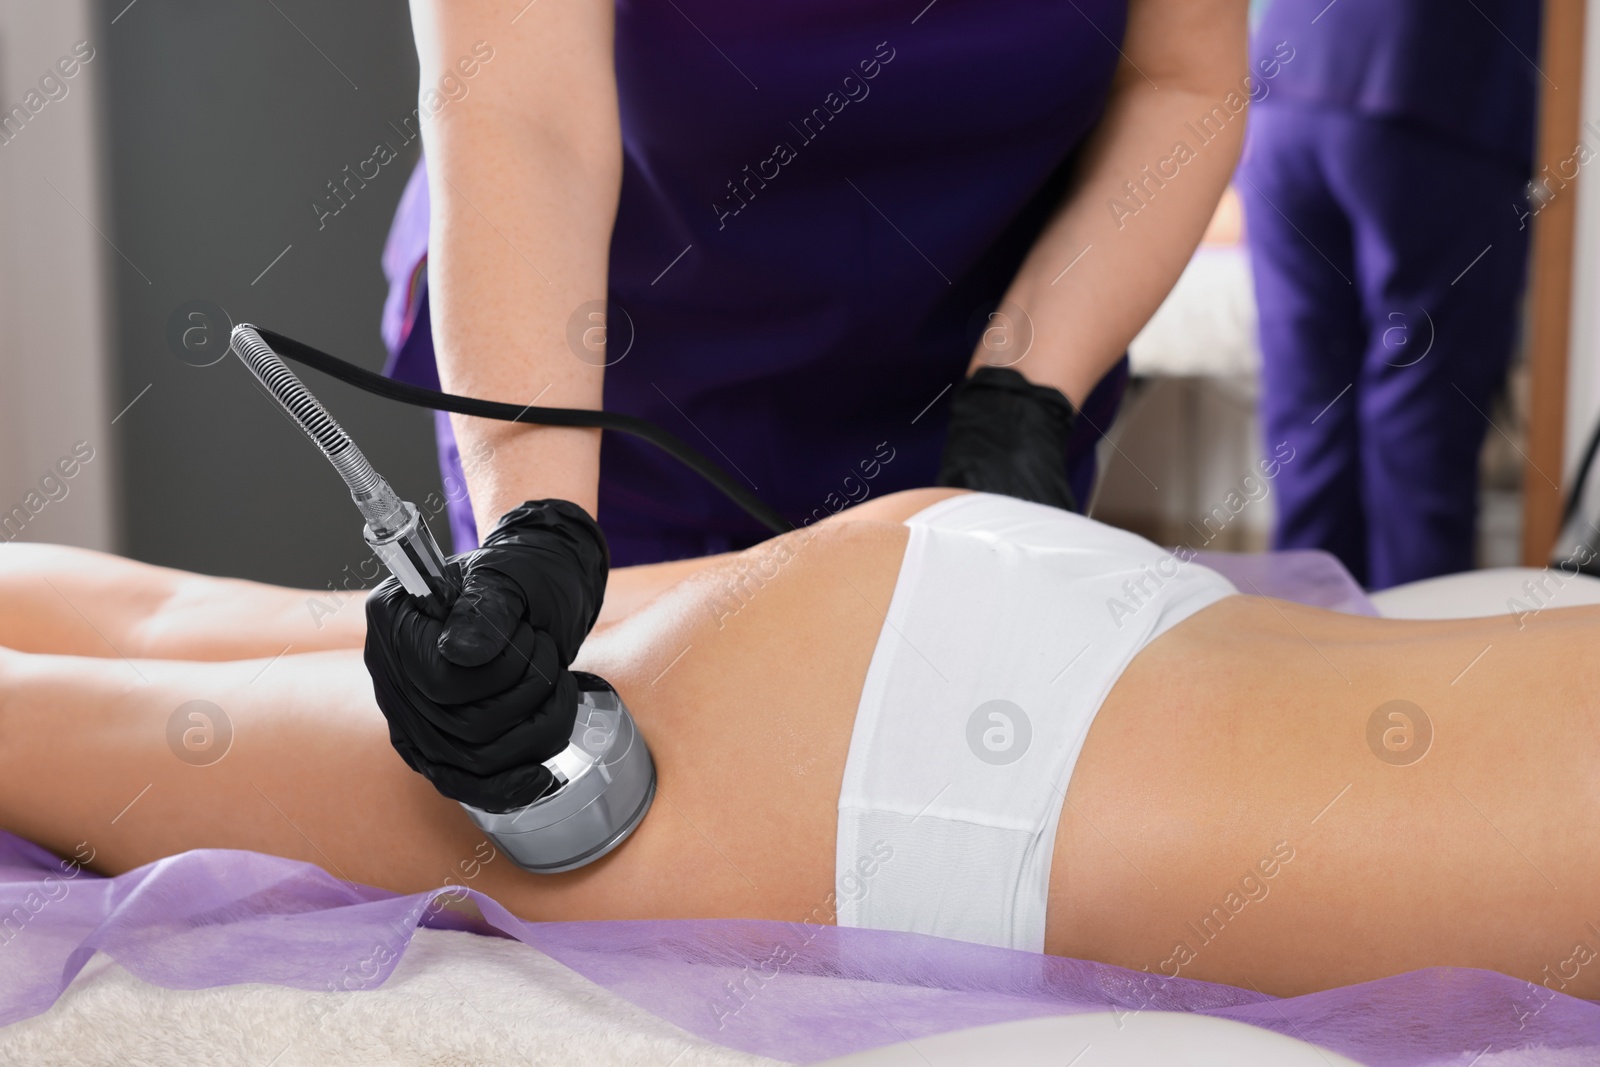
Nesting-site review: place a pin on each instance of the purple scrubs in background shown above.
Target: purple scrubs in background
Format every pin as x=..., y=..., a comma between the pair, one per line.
x=1383, y=184
x=821, y=202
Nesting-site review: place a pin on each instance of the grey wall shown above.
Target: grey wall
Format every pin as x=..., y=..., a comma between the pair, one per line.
x=54, y=368
x=226, y=119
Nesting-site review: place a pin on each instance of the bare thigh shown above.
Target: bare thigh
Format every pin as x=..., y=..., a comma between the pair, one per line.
x=72, y=601
x=142, y=759
x=93, y=761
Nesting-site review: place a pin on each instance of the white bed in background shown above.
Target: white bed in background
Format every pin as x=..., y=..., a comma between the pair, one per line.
x=1487, y=592
x=1206, y=327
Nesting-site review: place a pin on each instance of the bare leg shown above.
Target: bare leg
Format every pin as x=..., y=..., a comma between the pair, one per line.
x=77, y=602
x=92, y=766
x=298, y=765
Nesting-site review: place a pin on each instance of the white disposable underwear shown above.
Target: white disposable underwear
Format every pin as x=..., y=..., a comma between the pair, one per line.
x=1009, y=624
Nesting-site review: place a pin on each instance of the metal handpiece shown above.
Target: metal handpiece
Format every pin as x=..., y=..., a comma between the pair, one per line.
x=605, y=779
x=395, y=529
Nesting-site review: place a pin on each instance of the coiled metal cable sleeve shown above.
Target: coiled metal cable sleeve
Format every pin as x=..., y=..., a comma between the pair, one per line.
x=378, y=502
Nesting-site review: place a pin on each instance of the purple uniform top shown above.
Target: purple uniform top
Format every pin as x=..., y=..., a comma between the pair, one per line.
x=821, y=203
x=1461, y=67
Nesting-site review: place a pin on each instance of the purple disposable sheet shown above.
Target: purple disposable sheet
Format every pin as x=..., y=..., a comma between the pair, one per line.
x=798, y=991
x=1306, y=575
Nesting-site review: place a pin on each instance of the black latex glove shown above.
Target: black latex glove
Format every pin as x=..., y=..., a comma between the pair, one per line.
x=1009, y=436
x=479, y=699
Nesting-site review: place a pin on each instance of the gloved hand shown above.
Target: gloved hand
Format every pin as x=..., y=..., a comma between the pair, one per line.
x=478, y=699
x=1009, y=436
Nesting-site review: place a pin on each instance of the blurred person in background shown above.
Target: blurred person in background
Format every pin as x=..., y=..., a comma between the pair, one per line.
x=1384, y=187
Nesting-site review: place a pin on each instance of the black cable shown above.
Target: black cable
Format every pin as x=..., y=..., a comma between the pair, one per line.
x=418, y=396
x=1582, y=476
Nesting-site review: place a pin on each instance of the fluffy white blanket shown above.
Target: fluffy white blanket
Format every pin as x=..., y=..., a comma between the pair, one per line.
x=454, y=999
